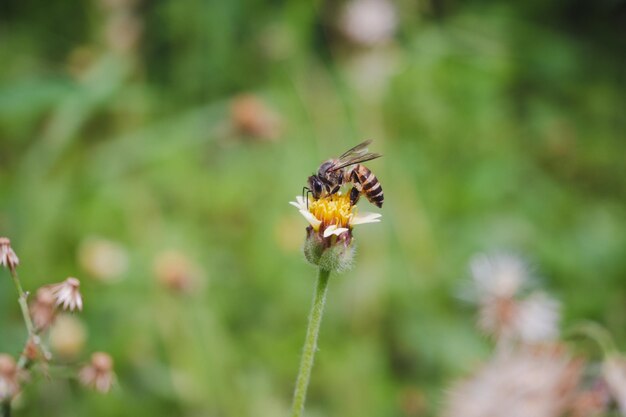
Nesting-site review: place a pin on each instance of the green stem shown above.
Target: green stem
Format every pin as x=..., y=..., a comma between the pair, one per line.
x=22, y=299
x=597, y=333
x=310, y=344
x=23, y=304
x=22, y=296
x=23, y=362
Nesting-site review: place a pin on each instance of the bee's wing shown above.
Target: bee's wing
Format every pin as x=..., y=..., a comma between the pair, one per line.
x=357, y=159
x=358, y=150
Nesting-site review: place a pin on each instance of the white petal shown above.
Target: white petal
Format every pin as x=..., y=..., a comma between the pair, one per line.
x=334, y=230
x=363, y=218
x=311, y=219
x=299, y=203
x=329, y=230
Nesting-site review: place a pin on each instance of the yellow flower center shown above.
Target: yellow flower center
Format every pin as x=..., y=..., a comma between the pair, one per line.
x=333, y=209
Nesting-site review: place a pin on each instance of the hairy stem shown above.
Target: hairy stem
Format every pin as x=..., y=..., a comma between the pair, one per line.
x=310, y=344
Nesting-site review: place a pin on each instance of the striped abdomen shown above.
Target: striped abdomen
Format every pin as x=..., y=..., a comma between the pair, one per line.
x=370, y=185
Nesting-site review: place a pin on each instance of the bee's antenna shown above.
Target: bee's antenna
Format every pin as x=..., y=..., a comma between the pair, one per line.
x=308, y=190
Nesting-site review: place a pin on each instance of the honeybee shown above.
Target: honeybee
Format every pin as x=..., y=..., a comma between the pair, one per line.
x=347, y=168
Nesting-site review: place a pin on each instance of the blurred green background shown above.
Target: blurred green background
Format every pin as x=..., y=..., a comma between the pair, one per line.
x=150, y=149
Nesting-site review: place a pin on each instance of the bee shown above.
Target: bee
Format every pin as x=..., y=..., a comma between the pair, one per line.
x=347, y=168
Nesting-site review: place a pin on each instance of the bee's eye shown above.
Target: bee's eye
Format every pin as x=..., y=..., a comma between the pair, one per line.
x=318, y=187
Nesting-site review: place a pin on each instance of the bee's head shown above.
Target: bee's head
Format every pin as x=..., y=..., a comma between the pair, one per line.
x=316, y=185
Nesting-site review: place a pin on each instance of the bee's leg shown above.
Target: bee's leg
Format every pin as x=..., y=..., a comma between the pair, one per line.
x=331, y=188
x=355, y=193
x=335, y=189
x=357, y=188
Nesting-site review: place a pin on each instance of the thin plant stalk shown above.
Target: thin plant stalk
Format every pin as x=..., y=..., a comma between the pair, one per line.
x=23, y=362
x=310, y=343
x=22, y=296
x=5, y=407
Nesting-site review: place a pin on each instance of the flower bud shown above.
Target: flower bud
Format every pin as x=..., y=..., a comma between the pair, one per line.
x=332, y=253
x=337, y=258
x=313, y=247
x=8, y=258
x=98, y=374
x=43, y=310
x=9, y=384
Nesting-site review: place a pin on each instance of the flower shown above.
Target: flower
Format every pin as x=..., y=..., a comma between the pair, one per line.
x=369, y=22
x=333, y=215
x=68, y=336
x=67, y=294
x=104, y=259
x=8, y=258
x=252, y=117
x=9, y=384
x=503, y=312
x=329, y=235
x=498, y=275
x=529, y=382
x=538, y=318
x=534, y=319
x=176, y=272
x=42, y=310
x=98, y=374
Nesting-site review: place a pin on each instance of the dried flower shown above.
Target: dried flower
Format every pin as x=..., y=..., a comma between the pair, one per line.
x=537, y=318
x=329, y=235
x=529, y=382
x=500, y=275
x=68, y=336
x=176, y=272
x=496, y=316
x=9, y=383
x=253, y=117
x=67, y=294
x=104, y=259
x=614, y=372
x=43, y=310
x=8, y=258
x=31, y=350
x=98, y=374
x=369, y=22
x=534, y=319
x=498, y=282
